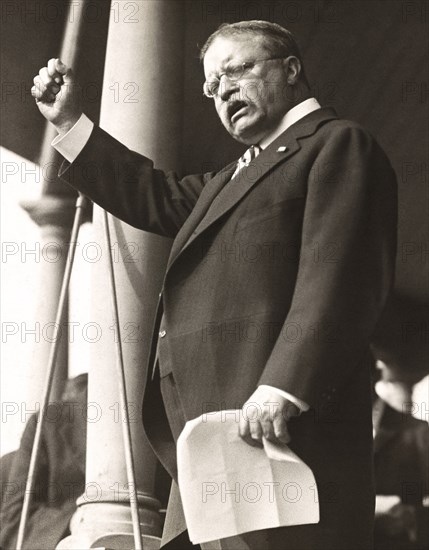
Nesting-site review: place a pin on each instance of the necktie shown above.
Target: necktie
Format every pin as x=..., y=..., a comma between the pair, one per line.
x=248, y=156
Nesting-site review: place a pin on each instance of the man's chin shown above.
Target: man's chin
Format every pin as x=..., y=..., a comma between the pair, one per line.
x=245, y=131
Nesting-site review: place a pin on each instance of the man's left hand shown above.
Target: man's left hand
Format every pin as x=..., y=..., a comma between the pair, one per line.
x=266, y=414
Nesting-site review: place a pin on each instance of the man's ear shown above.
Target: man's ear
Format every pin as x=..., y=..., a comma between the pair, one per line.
x=292, y=66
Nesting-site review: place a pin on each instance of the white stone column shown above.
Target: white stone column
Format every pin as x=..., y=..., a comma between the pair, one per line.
x=54, y=215
x=142, y=107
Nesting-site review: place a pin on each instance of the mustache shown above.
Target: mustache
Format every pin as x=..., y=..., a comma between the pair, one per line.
x=234, y=105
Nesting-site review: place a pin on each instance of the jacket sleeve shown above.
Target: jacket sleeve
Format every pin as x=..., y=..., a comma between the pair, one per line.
x=346, y=266
x=127, y=185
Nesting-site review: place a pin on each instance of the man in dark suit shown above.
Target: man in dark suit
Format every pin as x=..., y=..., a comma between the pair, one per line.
x=279, y=270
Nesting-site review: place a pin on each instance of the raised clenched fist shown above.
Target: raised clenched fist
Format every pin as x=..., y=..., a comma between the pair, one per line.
x=58, y=96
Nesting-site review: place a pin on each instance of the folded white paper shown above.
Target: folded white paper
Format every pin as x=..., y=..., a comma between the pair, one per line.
x=228, y=487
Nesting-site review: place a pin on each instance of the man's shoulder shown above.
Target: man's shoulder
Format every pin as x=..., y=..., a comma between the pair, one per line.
x=342, y=132
x=324, y=127
x=344, y=127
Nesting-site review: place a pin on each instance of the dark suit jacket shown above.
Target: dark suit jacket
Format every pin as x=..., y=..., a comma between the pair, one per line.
x=276, y=277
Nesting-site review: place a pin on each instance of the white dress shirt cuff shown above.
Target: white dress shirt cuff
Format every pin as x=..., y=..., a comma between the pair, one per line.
x=302, y=405
x=71, y=144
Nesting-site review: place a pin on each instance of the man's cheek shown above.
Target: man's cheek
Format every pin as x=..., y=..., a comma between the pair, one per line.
x=225, y=121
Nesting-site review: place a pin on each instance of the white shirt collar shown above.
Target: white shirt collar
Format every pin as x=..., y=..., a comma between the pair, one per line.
x=296, y=113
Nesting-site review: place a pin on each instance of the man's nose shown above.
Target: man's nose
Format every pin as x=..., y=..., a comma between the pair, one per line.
x=227, y=87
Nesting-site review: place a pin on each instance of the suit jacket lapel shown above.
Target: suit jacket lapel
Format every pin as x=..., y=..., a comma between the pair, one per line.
x=217, y=198
x=244, y=181
x=209, y=192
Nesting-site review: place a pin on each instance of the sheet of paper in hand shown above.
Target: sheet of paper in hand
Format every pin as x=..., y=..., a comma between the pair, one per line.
x=228, y=487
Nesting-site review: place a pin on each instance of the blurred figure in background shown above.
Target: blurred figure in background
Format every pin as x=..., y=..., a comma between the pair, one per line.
x=60, y=472
x=401, y=457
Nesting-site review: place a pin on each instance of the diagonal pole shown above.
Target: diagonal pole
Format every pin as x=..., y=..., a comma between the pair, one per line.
x=126, y=431
x=81, y=204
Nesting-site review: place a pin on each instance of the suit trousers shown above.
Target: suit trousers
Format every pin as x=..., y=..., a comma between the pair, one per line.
x=176, y=421
x=173, y=413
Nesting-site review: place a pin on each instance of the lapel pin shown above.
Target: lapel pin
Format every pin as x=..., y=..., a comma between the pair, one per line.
x=282, y=149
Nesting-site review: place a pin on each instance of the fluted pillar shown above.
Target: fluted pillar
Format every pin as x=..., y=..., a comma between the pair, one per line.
x=141, y=106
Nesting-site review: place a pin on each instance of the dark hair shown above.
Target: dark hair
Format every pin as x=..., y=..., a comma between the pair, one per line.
x=276, y=39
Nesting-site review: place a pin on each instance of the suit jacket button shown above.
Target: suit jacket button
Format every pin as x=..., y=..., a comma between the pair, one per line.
x=162, y=333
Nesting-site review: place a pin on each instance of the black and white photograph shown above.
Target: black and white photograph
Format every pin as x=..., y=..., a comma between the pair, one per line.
x=214, y=277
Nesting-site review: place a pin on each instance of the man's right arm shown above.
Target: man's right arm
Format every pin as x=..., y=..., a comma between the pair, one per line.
x=127, y=185
x=121, y=181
